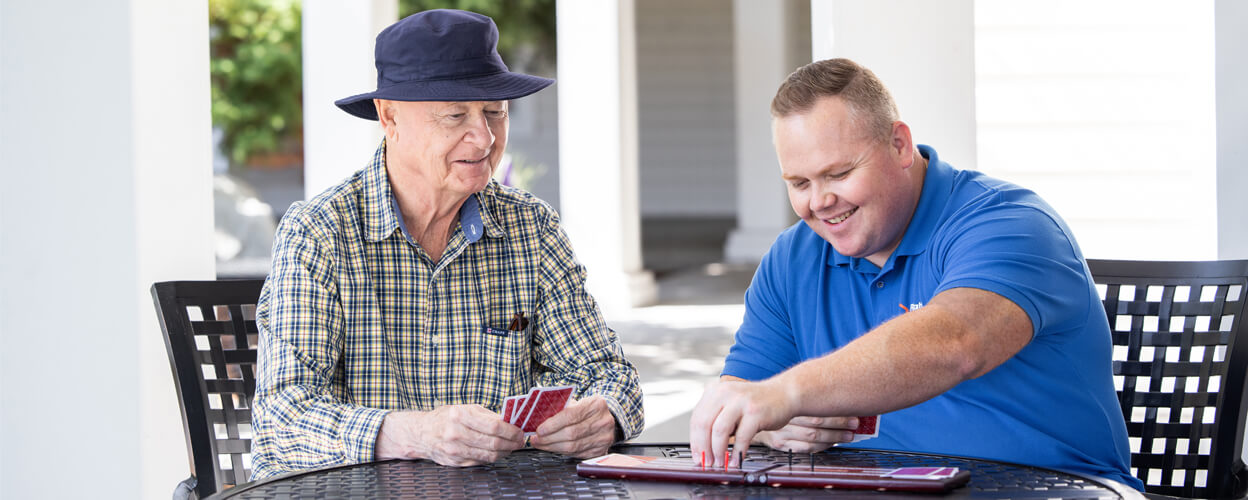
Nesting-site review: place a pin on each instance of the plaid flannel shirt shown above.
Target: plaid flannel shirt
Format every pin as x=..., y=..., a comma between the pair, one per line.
x=356, y=320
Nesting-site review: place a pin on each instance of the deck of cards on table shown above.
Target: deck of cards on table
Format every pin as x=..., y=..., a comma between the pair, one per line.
x=528, y=411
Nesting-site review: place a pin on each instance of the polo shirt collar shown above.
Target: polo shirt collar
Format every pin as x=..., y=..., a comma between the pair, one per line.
x=937, y=187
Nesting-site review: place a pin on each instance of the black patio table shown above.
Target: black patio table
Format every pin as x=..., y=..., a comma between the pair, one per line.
x=537, y=474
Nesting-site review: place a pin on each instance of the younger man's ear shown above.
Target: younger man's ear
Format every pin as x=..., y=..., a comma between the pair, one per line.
x=901, y=143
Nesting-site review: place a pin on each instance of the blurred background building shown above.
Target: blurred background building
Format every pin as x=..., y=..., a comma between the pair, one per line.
x=149, y=140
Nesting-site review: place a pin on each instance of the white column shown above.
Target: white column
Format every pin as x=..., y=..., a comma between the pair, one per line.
x=172, y=147
x=338, y=38
x=762, y=57
x=1231, y=50
x=923, y=51
x=598, y=147
x=107, y=189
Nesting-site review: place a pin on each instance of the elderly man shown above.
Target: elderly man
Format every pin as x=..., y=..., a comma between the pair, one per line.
x=957, y=304
x=407, y=302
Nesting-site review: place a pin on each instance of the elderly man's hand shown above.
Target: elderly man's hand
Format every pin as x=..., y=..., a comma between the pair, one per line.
x=809, y=434
x=730, y=408
x=460, y=435
x=584, y=429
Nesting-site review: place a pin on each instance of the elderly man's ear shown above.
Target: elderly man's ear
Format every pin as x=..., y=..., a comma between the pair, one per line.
x=385, y=115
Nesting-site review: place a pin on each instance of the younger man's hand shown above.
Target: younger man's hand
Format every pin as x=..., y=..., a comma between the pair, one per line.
x=809, y=434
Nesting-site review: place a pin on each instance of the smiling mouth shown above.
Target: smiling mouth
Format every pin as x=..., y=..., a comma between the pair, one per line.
x=477, y=161
x=841, y=218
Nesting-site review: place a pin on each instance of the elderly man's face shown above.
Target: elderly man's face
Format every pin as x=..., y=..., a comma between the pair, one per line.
x=451, y=146
x=850, y=189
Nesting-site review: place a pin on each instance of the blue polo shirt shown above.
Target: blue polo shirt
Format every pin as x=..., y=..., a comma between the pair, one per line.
x=1052, y=405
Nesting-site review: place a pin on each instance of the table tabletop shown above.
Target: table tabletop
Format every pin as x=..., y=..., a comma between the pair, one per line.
x=537, y=474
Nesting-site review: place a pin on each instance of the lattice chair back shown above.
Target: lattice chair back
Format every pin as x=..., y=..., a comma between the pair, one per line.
x=211, y=337
x=1180, y=362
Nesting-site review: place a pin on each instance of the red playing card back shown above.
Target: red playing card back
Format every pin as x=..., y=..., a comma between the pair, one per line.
x=550, y=400
x=509, y=407
x=867, y=425
x=523, y=406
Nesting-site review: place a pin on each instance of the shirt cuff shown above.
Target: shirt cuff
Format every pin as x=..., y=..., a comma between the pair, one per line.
x=359, y=434
x=622, y=430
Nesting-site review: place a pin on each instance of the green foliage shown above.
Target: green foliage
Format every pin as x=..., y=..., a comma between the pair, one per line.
x=256, y=72
x=526, y=28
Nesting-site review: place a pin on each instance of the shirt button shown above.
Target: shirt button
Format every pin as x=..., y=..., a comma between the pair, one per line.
x=879, y=284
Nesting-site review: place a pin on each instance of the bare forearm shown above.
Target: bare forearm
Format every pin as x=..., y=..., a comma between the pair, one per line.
x=911, y=358
x=961, y=333
x=879, y=372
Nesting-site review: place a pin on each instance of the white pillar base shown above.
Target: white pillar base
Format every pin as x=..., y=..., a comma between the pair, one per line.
x=619, y=291
x=749, y=244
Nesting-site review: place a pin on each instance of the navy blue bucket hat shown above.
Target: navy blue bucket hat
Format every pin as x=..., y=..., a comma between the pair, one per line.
x=441, y=55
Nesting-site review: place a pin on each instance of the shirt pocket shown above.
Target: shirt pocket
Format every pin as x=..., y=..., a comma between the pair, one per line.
x=506, y=285
x=505, y=354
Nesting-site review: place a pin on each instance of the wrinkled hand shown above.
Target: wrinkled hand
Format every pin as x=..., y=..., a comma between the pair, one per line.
x=584, y=429
x=809, y=434
x=459, y=435
x=732, y=408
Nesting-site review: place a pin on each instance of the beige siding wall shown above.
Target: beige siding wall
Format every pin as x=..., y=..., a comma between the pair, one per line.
x=1106, y=109
x=685, y=93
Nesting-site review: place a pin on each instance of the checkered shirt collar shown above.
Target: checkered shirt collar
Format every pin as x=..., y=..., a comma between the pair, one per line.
x=379, y=207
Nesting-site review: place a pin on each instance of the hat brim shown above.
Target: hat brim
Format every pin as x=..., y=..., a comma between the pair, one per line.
x=495, y=87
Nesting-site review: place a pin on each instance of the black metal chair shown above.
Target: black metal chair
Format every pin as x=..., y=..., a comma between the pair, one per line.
x=211, y=336
x=1180, y=363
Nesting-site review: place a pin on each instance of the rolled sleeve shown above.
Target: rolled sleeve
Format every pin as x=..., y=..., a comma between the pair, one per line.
x=303, y=417
x=572, y=343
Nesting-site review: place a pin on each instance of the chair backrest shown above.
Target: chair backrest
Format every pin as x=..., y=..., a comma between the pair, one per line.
x=1180, y=362
x=211, y=337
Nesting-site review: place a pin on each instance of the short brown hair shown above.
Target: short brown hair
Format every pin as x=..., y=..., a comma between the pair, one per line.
x=871, y=107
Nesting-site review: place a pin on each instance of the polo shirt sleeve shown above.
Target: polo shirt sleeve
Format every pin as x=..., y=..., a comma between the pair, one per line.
x=765, y=344
x=1021, y=251
x=302, y=415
